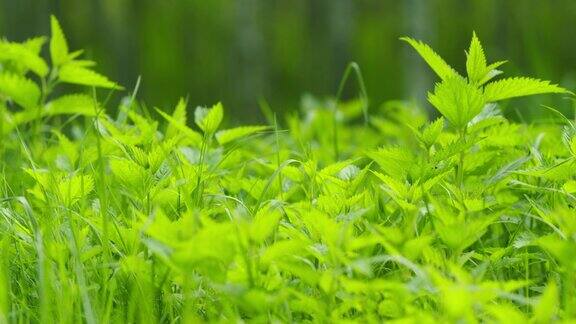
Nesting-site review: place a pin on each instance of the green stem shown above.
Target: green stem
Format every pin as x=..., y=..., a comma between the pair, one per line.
x=460, y=170
x=351, y=67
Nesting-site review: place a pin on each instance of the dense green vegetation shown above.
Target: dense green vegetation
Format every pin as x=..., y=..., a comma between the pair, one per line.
x=332, y=214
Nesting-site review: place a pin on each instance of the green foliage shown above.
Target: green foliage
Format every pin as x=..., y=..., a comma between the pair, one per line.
x=440, y=67
x=24, y=56
x=126, y=219
x=476, y=67
x=518, y=87
x=461, y=99
x=209, y=119
x=19, y=89
x=457, y=100
x=25, y=99
x=58, y=44
x=80, y=104
x=229, y=135
x=75, y=74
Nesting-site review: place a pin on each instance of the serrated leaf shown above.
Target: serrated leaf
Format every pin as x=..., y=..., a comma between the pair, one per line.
x=488, y=111
x=179, y=116
x=492, y=71
x=440, y=67
x=80, y=104
x=58, y=44
x=457, y=100
x=24, y=56
x=191, y=135
x=547, y=307
x=432, y=131
x=398, y=188
x=130, y=173
x=35, y=44
x=74, y=188
x=83, y=63
x=460, y=235
x=450, y=149
x=204, y=248
x=232, y=134
x=75, y=104
x=75, y=74
x=476, y=61
x=209, y=119
x=519, y=87
x=504, y=313
x=395, y=161
x=263, y=224
x=282, y=250
x=523, y=239
x=561, y=249
x=20, y=89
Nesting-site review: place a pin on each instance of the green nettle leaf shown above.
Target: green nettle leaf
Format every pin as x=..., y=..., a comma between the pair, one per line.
x=194, y=137
x=476, y=61
x=547, y=307
x=519, y=87
x=263, y=224
x=432, y=131
x=58, y=44
x=75, y=104
x=395, y=161
x=21, y=90
x=460, y=100
x=179, y=116
x=208, y=119
x=79, y=104
x=35, y=44
x=24, y=55
x=75, y=74
x=442, y=69
x=492, y=71
x=73, y=189
x=457, y=100
x=229, y=135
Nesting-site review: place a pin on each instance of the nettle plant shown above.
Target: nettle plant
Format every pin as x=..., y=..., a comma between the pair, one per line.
x=29, y=100
x=461, y=99
x=469, y=103
x=128, y=219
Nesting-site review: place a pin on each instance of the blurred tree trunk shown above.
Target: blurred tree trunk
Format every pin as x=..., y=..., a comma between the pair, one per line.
x=417, y=15
x=250, y=55
x=341, y=27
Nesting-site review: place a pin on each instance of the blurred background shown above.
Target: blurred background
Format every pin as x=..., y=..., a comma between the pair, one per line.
x=240, y=52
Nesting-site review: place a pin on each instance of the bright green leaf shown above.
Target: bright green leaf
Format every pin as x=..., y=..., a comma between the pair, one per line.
x=191, y=135
x=476, y=61
x=519, y=87
x=547, y=306
x=71, y=73
x=232, y=134
x=457, y=100
x=440, y=67
x=179, y=116
x=209, y=119
x=24, y=56
x=79, y=104
x=58, y=44
x=21, y=90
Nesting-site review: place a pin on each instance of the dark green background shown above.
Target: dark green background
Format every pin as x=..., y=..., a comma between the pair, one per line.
x=241, y=51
